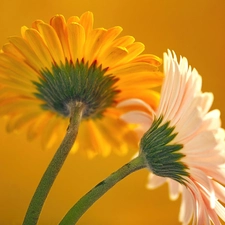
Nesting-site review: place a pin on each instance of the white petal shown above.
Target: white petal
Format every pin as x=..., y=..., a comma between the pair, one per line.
x=174, y=189
x=135, y=102
x=211, y=120
x=138, y=117
x=155, y=181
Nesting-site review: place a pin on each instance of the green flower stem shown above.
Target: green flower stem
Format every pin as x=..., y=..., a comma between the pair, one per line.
x=99, y=190
x=55, y=165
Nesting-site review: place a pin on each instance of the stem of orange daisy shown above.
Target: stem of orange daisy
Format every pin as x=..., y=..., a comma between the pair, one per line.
x=55, y=165
x=74, y=214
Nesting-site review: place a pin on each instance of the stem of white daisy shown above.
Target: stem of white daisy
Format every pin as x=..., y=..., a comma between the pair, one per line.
x=55, y=165
x=74, y=214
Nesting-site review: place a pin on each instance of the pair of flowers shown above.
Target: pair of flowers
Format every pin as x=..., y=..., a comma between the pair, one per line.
x=55, y=65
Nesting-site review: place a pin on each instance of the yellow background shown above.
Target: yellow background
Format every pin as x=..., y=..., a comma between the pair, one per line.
x=194, y=28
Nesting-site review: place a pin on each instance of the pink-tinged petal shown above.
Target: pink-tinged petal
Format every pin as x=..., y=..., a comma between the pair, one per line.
x=220, y=210
x=205, y=183
x=173, y=96
x=217, y=173
x=187, y=206
x=211, y=211
x=219, y=190
x=200, y=214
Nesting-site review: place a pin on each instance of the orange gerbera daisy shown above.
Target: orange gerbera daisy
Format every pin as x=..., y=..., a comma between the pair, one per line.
x=54, y=64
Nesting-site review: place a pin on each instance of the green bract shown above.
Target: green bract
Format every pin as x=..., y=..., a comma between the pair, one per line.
x=163, y=158
x=76, y=83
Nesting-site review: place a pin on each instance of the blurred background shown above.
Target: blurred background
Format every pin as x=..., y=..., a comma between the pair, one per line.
x=195, y=29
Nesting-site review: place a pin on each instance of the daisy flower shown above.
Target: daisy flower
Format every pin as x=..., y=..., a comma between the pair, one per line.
x=52, y=64
x=185, y=145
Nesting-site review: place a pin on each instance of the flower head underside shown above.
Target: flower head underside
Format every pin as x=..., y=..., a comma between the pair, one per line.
x=185, y=144
x=55, y=64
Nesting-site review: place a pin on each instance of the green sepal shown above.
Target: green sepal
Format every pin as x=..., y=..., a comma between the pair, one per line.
x=162, y=157
x=77, y=82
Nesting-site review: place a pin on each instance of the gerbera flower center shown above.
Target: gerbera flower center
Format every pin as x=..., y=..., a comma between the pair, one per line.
x=162, y=156
x=77, y=82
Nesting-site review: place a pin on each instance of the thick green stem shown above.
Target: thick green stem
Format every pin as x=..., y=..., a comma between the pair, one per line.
x=54, y=167
x=92, y=196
